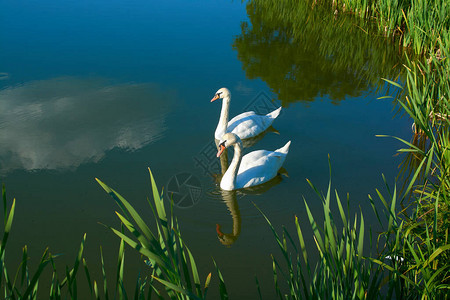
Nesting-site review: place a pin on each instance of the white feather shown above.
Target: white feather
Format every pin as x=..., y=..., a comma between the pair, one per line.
x=245, y=125
x=252, y=169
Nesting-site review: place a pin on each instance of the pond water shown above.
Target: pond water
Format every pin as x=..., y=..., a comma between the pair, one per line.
x=106, y=89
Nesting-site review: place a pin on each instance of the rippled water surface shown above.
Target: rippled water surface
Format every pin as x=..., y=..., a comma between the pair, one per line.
x=106, y=89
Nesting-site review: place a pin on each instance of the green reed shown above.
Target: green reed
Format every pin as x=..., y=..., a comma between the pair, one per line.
x=172, y=263
x=172, y=266
x=341, y=272
x=425, y=230
x=407, y=265
x=25, y=283
x=416, y=235
x=419, y=24
x=419, y=267
x=422, y=232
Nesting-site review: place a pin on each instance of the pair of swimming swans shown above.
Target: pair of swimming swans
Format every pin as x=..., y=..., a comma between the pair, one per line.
x=256, y=167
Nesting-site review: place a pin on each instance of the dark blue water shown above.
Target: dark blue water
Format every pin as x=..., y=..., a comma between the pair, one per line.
x=106, y=89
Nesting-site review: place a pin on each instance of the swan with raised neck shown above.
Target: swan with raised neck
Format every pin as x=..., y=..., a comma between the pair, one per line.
x=245, y=125
x=256, y=167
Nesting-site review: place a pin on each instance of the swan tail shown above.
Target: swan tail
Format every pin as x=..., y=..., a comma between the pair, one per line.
x=272, y=129
x=284, y=149
x=275, y=113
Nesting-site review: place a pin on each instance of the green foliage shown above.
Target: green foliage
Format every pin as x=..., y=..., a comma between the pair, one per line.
x=416, y=237
x=419, y=24
x=341, y=271
x=25, y=284
x=171, y=260
x=408, y=265
x=419, y=267
x=423, y=229
x=414, y=250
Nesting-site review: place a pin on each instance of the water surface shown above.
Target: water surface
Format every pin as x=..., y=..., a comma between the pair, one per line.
x=106, y=89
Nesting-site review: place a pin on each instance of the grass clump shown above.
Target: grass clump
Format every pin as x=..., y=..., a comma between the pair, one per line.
x=173, y=269
x=172, y=263
x=24, y=284
x=407, y=265
x=413, y=260
x=341, y=272
x=419, y=24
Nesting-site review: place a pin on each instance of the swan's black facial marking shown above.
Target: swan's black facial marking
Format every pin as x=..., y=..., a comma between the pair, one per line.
x=218, y=94
x=221, y=148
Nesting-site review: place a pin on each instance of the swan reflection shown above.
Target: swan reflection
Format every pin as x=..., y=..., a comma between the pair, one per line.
x=63, y=122
x=230, y=199
x=227, y=239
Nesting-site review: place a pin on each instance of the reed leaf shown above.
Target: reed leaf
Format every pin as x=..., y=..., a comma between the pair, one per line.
x=105, y=281
x=141, y=238
x=140, y=249
x=126, y=207
x=120, y=268
x=222, y=286
x=31, y=289
x=88, y=276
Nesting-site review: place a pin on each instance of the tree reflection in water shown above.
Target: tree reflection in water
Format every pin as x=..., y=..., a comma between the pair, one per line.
x=303, y=52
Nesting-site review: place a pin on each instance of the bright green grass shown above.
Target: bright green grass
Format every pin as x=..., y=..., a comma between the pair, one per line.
x=416, y=239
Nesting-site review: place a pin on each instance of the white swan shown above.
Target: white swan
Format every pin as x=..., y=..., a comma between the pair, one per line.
x=245, y=125
x=252, y=169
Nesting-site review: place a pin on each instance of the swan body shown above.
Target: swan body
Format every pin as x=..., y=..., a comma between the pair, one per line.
x=245, y=125
x=252, y=169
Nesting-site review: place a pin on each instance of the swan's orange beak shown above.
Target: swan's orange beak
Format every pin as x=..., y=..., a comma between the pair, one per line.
x=219, y=232
x=215, y=97
x=221, y=149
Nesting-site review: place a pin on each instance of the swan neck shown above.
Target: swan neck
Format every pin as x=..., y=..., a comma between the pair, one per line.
x=233, y=207
x=232, y=171
x=223, y=120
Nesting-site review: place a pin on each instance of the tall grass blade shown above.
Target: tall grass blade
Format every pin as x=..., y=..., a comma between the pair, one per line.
x=34, y=280
x=222, y=286
x=140, y=249
x=207, y=283
x=8, y=225
x=5, y=210
x=88, y=276
x=120, y=267
x=126, y=207
x=159, y=205
x=105, y=281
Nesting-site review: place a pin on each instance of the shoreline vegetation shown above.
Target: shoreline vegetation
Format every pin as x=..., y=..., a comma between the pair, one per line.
x=412, y=258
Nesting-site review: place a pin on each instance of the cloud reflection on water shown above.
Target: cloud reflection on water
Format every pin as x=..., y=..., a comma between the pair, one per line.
x=64, y=122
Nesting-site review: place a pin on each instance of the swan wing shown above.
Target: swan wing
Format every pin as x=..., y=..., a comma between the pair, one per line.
x=250, y=124
x=258, y=167
x=239, y=117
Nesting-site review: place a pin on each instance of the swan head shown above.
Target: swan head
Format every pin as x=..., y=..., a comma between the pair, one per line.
x=222, y=93
x=227, y=239
x=227, y=140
